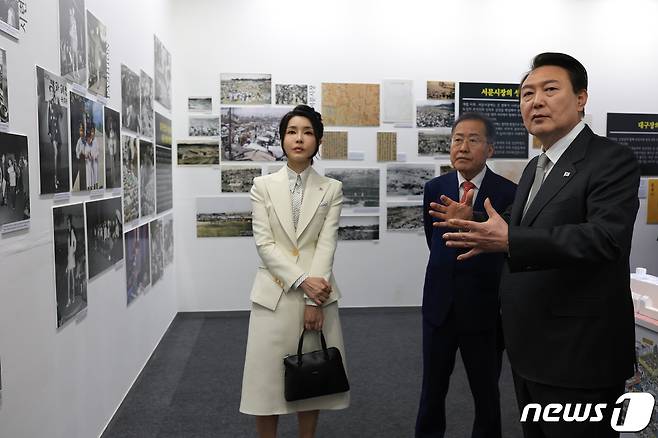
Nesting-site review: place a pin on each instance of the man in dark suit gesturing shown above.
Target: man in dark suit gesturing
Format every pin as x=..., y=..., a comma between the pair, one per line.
x=565, y=297
x=460, y=300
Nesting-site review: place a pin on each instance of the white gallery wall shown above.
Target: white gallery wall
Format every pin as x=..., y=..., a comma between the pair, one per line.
x=366, y=42
x=68, y=382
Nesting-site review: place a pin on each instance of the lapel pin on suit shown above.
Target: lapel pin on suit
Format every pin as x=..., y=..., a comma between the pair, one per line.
x=566, y=174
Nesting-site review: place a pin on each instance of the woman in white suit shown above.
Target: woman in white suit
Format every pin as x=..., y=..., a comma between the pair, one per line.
x=295, y=224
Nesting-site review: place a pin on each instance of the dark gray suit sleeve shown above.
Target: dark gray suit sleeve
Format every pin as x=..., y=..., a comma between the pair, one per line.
x=602, y=235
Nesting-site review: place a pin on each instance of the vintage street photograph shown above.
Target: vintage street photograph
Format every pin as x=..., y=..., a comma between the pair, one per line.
x=112, y=149
x=53, y=115
x=162, y=70
x=130, y=93
x=138, y=262
x=168, y=238
x=146, y=178
x=130, y=171
x=434, y=143
x=238, y=179
x=223, y=216
x=440, y=90
x=72, y=47
x=246, y=88
x=358, y=228
x=10, y=14
x=87, y=144
x=197, y=152
x=360, y=187
x=290, y=94
x=204, y=126
x=408, y=179
x=435, y=113
x=14, y=179
x=104, y=234
x=157, y=251
x=251, y=134
x=404, y=216
x=146, y=105
x=70, y=261
x=97, y=56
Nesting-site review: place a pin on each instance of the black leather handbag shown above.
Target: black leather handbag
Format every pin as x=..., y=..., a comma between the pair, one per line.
x=313, y=374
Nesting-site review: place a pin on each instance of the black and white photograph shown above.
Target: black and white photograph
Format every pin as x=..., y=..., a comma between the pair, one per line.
x=138, y=262
x=197, y=152
x=404, y=216
x=408, y=179
x=435, y=113
x=199, y=105
x=360, y=187
x=204, y=126
x=53, y=115
x=218, y=216
x=434, y=143
x=358, y=228
x=445, y=168
x=70, y=261
x=72, y=41
x=146, y=178
x=252, y=134
x=97, y=56
x=246, y=88
x=162, y=71
x=163, y=179
x=4, y=91
x=440, y=90
x=9, y=17
x=112, y=149
x=168, y=238
x=157, y=251
x=14, y=179
x=130, y=93
x=291, y=94
x=146, y=105
x=238, y=179
x=130, y=178
x=104, y=234
x=87, y=144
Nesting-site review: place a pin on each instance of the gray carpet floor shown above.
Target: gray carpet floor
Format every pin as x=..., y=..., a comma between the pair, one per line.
x=190, y=387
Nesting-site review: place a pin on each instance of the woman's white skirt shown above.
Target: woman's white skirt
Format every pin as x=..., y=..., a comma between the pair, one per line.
x=273, y=335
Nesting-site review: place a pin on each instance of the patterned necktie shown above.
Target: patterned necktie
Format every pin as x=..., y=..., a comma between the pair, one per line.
x=539, y=179
x=297, y=194
x=467, y=186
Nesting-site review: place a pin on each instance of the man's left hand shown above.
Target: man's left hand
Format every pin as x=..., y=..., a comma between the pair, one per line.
x=479, y=237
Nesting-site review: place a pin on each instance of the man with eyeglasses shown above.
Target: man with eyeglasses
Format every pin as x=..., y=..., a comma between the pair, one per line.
x=565, y=292
x=460, y=299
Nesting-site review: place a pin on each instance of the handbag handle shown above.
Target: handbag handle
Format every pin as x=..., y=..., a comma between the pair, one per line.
x=301, y=342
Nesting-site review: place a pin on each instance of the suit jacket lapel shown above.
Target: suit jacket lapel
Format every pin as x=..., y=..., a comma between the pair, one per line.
x=279, y=191
x=478, y=202
x=562, y=172
x=452, y=191
x=314, y=192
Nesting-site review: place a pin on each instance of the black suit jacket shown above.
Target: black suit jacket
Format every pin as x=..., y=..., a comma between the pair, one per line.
x=565, y=292
x=470, y=286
